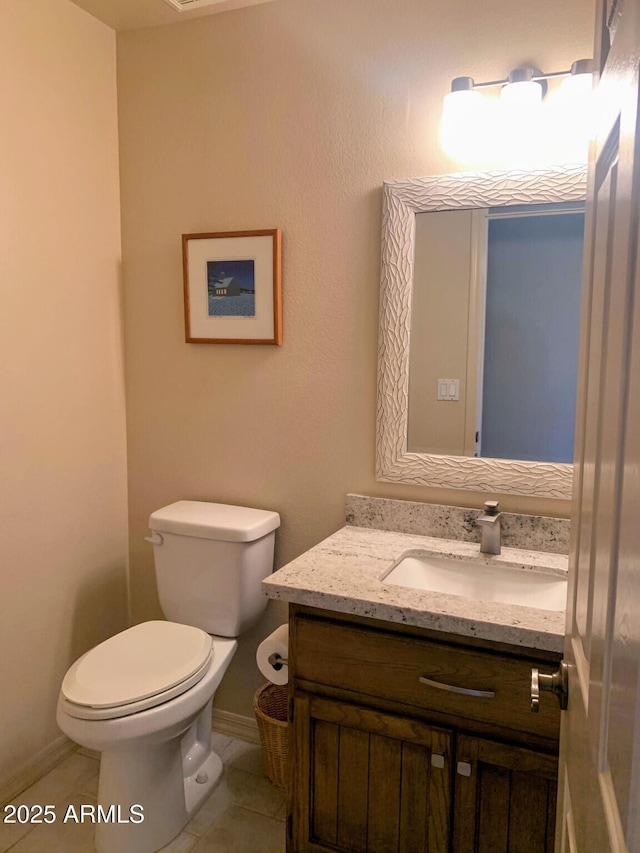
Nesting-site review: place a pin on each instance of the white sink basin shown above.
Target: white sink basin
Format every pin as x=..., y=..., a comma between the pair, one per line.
x=500, y=582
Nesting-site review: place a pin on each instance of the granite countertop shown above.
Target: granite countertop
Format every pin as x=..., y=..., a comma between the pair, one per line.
x=342, y=573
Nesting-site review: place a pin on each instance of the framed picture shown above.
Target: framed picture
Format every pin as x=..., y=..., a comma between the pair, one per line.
x=232, y=287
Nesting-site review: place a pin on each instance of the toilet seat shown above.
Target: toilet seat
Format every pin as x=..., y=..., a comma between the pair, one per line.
x=137, y=669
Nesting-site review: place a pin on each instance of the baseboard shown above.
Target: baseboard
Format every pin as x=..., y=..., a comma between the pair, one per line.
x=36, y=768
x=235, y=725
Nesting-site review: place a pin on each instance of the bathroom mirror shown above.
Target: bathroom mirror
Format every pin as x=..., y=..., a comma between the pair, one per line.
x=402, y=455
x=495, y=319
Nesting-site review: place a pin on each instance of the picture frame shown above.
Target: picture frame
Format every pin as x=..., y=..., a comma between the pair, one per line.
x=232, y=287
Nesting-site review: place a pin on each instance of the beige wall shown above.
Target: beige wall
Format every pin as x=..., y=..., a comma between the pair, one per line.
x=62, y=434
x=442, y=280
x=289, y=114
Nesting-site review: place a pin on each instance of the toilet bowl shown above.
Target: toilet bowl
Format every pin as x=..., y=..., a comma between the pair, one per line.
x=143, y=698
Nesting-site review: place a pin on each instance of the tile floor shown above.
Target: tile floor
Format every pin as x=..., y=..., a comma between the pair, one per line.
x=244, y=814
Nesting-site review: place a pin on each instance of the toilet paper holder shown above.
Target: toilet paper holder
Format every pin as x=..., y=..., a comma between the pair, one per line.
x=277, y=661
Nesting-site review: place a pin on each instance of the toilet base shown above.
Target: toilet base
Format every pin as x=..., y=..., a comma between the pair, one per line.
x=165, y=783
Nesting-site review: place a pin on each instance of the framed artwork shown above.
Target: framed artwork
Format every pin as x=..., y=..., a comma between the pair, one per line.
x=232, y=287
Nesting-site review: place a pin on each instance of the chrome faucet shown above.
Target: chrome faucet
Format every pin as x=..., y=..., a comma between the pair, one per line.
x=490, y=528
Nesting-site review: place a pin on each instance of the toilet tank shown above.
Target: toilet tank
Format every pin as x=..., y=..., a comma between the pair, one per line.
x=210, y=560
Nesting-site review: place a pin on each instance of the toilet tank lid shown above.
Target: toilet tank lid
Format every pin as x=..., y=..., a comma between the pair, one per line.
x=214, y=521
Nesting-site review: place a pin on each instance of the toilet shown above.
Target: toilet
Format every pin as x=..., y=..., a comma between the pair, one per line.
x=143, y=698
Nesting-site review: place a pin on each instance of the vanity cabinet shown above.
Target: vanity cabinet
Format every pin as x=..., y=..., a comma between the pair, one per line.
x=386, y=757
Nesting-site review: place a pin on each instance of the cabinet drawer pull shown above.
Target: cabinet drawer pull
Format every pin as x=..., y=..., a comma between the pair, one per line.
x=463, y=768
x=465, y=691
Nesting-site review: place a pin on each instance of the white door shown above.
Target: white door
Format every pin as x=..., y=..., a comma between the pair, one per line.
x=600, y=740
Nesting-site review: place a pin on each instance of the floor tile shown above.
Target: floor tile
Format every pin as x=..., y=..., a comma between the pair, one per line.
x=244, y=814
x=211, y=810
x=184, y=843
x=59, y=837
x=242, y=831
x=89, y=788
x=244, y=756
x=237, y=788
x=90, y=753
x=66, y=779
x=254, y=792
x=62, y=780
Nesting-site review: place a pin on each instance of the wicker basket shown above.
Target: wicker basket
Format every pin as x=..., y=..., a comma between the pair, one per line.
x=270, y=705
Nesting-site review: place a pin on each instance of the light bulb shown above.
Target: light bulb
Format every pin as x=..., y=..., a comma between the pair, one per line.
x=568, y=118
x=577, y=86
x=461, y=116
x=524, y=92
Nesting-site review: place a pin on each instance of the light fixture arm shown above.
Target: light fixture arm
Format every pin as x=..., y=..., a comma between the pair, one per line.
x=522, y=73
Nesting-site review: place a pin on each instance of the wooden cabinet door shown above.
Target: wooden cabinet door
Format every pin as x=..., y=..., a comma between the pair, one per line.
x=367, y=781
x=505, y=798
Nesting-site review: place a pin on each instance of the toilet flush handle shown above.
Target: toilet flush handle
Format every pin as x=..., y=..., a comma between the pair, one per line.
x=155, y=539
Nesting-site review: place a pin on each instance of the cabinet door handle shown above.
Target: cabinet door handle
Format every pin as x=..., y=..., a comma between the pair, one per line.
x=465, y=691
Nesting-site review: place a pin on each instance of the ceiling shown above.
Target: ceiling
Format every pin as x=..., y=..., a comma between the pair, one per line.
x=133, y=14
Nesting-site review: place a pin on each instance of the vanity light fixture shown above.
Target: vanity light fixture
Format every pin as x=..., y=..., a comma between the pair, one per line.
x=521, y=122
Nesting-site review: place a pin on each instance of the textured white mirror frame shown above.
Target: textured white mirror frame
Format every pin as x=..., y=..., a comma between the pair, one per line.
x=402, y=200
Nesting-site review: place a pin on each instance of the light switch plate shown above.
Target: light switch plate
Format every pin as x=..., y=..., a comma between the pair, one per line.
x=448, y=389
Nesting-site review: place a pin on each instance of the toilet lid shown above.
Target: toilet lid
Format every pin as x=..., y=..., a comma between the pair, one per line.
x=138, y=663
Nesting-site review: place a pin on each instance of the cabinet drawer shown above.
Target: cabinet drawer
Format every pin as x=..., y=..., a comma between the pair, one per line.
x=390, y=666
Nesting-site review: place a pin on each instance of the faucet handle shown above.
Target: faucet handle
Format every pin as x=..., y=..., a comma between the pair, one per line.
x=491, y=507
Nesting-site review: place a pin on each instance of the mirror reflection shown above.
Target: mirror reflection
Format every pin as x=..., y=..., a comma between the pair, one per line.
x=494, y=332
